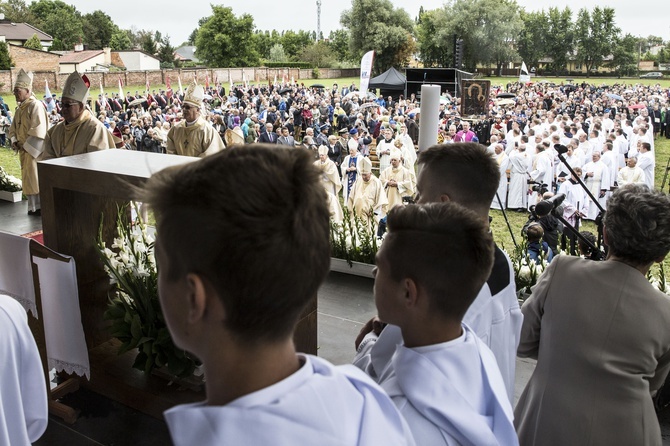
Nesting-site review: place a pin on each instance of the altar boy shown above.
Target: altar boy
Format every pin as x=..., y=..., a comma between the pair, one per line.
x=242, y=247
x=444, y=379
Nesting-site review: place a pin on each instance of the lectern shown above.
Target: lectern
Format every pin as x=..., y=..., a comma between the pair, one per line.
x=75, y=193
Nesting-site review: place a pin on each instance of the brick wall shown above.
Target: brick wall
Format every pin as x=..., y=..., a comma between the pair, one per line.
x=33, y=60
x=110, y=81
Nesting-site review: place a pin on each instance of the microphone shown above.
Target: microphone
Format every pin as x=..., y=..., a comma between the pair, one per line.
x=560, y=148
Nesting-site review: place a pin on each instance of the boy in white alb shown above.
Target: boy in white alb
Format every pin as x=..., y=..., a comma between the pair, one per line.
x=445, y=381
x=236, y=271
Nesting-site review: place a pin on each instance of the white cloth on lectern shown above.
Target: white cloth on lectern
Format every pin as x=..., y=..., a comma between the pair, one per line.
x=16, y=274
x=66, y=345
x=23, y=392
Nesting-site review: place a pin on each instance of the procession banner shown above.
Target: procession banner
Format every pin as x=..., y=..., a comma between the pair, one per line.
x=366, y=70
x=524, y=76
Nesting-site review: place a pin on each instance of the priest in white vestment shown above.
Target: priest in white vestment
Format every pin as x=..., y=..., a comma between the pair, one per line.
x=23, y=391
x=631, y=173
x=518, y=181
x=647, y=163
x=597, y=179
x=367, y=194
x=384, y=148
x=500, y=200
x=396, y=181
x=330, y=179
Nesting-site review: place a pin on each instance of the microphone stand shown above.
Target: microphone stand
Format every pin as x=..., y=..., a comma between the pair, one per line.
x=586, y=241
x=561, y=149
x=509, y=227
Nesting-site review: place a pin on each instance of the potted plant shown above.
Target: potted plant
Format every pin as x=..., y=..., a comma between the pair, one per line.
x=354, y=244
x=10, y=187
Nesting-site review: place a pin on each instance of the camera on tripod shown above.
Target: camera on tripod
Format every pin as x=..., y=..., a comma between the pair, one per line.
x=540, y=188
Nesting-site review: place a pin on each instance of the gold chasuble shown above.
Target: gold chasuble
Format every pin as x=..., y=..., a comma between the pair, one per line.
x=199, y=139
x=29, y=128
x=83, y=135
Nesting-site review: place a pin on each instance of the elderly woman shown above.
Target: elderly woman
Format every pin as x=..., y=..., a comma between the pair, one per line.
x=331, y=182
x=599, y=332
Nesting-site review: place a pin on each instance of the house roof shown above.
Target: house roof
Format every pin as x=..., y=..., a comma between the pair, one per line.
x=186, y=53
x=80, y=56
x=21, y=31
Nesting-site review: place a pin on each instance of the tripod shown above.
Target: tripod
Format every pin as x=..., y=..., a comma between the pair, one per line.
x=665, y=175
x=509, y=227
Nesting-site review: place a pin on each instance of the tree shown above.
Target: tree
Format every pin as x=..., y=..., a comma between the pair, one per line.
x=148, y=41
x=532, y=42
x=120, y=40
x=33, y=43
x=594, y=34
x=61, y=21
x=5, y=59
x=559, y=38
x=293, y=42
x=319, y=54
x=434, y=49
x=624, y=56
x=338, y=41
x=264, y=41
x=17, y=11
x=277, y=53
x=377, y=25
x=165, y=52
x=98, y=30
x=225, y=40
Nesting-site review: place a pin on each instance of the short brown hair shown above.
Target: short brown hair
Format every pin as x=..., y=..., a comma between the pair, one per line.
x=466, y=171
x=254, y=222
x=446, y=248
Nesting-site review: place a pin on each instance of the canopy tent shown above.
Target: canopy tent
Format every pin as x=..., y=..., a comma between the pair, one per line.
x=391, y=82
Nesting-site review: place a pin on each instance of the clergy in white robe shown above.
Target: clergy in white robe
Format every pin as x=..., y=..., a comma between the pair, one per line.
x=575, y=204
x=631, y=173
x=610, y=160
x=26, y=134
x=320, y=404
x=518, y=185
x=500, y=200
x=647, y=163
x=383, y=149
x=542, y=172
x=330, y=179
x=367, y=194
x=596, y=177
x=23, y=391
x=396, y=181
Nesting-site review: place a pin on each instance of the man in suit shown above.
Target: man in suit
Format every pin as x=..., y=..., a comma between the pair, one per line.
x=598, y=331
x=268, y=136
x=286, y=139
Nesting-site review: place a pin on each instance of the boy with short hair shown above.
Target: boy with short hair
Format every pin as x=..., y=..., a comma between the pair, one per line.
x=242, y=246
x=444, y=379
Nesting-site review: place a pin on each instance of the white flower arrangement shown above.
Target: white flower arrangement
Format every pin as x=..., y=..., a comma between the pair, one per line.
x=9, y=182
x=134, y=312
x=355, y=239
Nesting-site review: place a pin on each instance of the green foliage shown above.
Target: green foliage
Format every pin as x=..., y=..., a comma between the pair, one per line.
x=227, y=41
x=355, y=239
x=532, y=41
x=61, y=21
x=33, y=43
x=277, y=53
x=264, y=41
x=287, y=64
x=17, y=11
x=134, y=313
x=148, y=41
x=624, y=55
x=377, y=25
x=435, y=49
x=338, y=41
x=594, y=33
x=166, y=52
x=293, y=42
x=98, y=30
x=559, y=38
x=5, y=59
x=120, y=40
x=318, y=54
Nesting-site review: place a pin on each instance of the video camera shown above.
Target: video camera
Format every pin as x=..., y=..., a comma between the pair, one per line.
x=540, y=188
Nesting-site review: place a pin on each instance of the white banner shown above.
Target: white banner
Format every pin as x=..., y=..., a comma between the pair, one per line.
x=366, y=71
x=524, y=76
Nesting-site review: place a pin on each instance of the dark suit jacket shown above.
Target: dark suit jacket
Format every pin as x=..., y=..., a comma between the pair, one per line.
x=267, y=138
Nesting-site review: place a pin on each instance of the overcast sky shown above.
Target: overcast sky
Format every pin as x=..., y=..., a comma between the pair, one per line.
x=178, y=18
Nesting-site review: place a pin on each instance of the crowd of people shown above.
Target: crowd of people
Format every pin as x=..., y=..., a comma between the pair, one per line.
x=438, y=363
